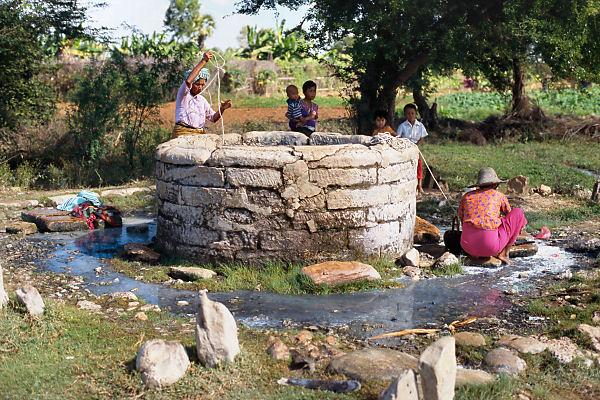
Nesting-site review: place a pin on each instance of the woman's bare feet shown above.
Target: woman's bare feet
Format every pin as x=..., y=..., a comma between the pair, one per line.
x=503, y=256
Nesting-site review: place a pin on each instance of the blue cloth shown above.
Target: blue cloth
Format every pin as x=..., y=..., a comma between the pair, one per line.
x=82, y=197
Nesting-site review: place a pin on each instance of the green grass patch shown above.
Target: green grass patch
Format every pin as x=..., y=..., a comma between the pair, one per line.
x=551, y=163
x=145, y=201
x=563, y=216
x=449, y=270
x=275, y=277
x=280, y=101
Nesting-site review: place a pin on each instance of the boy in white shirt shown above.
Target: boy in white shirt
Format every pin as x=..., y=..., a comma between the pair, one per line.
x=414, y=131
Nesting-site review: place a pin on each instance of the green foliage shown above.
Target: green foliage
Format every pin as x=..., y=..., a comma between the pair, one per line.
x=184, y=20
x=561, y=217
x=272, y=44
x=233, y=79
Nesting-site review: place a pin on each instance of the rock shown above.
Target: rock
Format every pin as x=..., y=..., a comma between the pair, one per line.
x=373, y=364
x=19, y=204
x=22, y=228
x=300, y=360
x=596, y=317
x=278, y=350
x=426, y=260
x=161, y=363
x=319, y=384
x=411, y=258
x=403, y=387
x=89, y=305
x=31, y=299
x=434, y=250
x=53, y=220
x=585, y=245
x=141, y=316
x=466, y=376
x=123, y=295
x=3, y=294
x=490, y=262
x=124, y=192
x=340, y=272
x=518, y=185
x=437, y=367
x=472, y=339
x=544, y=190
x=567, y=274
x=304, y=336
x=426, y=232
x=501, y=360
x=140, y=252
x=447, y=259
x=183, y=303
x=274, y=138
x=523, y=250
x=563, y=349
x=150, y=307
x=413, y=272
x=593, y=333
x=527, y=345
x=140, y=228
x=191, y=273
x=327, y=138
x=216, y=333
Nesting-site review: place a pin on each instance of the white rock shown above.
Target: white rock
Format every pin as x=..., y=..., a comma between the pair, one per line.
x=593, y=333
x=411, y=258
x=527, y=345
x=404, y=387
x=161, y=363
x=89, y=305
x=447, y=259
x=3, y=295
x=413, y=273
x=183, y=303
x=123, y=295
x=505, y=361
x=31, y=299
x=216, y=333
x=437, y=367
x=191, y=273
x=545, y=190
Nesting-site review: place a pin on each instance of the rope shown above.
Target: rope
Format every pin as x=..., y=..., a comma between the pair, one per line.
x=435, y=180
x=217, y=76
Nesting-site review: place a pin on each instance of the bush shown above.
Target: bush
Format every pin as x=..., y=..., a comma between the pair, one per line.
x=233, y=79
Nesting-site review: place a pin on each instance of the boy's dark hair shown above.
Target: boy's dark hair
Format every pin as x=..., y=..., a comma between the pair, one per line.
x=380, y=114
x=410, y=105
x=307, y=85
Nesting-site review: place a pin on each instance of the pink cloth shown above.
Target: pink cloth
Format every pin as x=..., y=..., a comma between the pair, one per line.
x=488, y=243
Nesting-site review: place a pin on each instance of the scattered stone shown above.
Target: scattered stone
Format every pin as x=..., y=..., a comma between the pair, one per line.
x=150, y=307
x=526, y=345
x=140, y=252
x=490, y=262
x=471, y=339
x=518, y=185
x=302, y=361
x=413, y=273
x=502, y=360
x=403, y=387
x=278, y=350
x=216, y=333
x=447, y=259
x=191, y=273
x=566, y=274
x=585, y=245
x=123, y=295
x=21, y=228
x=466, y=376
x=161, y=363
x=304, y=336
x=426, y=261
x=523, y=250
x=31, y=299
x=426, y=232
x=330, y=340
x=340, y=272
x=595, y=318
x=582, y=193
x=141, y=316
x=411, y=258
x=373, y=364
x=183, y=303
x=563, y=349
x=318, y=384
x=593, y=333
x=544, y=190
x=89, y=305
x=141, y=228
x=56, y=200
x=437, y=367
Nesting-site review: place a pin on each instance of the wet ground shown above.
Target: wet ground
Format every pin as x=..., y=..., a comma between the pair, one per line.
x=480, y=292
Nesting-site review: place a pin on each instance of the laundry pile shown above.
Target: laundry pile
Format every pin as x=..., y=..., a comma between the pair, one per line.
x=88, y=206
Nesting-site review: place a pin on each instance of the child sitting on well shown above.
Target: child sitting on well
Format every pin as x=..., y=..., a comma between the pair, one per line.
x=310, y=110
x=381, y=124
x=294, y=111
x=414, y=131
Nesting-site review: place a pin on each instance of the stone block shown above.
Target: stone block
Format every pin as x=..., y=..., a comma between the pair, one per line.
x=184, y=156
x=324, y=177
x=161, y=363
x=181, y=214
x=373, y=364
x=191, y=273
x=387, y=212
x=371, y=241
x=329, y=138
x=254, y=177
x=340, y=272
x=353, y=198
x=501, y=360
x=331, y=219
x=437, y=367
x=257, y=157
x=403, y=191
x=275, y=138
x=403, y=387
x=196, y=175
x=168, y=192
x=354, y=156
x=21, y=228
x=402, y=172
x=402, y=154
x=200, y=196
x=185, y=234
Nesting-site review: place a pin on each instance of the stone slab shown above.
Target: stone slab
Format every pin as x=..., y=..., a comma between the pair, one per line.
x=53, y=220
x=339, y=272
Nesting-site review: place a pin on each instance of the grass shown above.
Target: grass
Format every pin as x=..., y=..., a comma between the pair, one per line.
x=449, y=270
x=563, y=216
x=280, y=101
x=273, y=277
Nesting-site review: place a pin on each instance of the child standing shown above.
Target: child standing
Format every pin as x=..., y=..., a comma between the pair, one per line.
x=381, y=124
x=294, y=111
x=310, y=110
x=414, y=131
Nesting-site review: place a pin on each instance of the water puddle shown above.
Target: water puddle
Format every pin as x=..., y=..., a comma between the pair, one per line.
x=478, y=292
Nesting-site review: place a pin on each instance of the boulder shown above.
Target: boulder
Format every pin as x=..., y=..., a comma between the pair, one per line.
x=31, y=299
x=544, y=190
x=412, y=272
x=3, y=294
x=216, y=333
x=19, y=204
x=373, y=364
x=123, y=295
x=447, y=259
x=278, y=350
x=466, y=376
x=22, y=228
x=593, y=334
x=501, y=360
x=526, y=345
x=563, y=349
x=518, y=185
x=585, y=245
x=140, y=252
x=426, y=232
x=88, y=305
x=340, y=272
x=411, y=258
x=469, y=339
x=161, y=363
x=403, y=387
x=191, y=273
x=437, y=367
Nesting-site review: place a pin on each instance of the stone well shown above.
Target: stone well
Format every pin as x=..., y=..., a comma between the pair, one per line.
x=280, y=196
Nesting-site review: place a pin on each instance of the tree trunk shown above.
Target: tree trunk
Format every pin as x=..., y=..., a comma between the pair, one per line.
x=428, y=114
x=521, y=105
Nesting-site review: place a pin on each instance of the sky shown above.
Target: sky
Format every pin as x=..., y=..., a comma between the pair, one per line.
x=148, y=16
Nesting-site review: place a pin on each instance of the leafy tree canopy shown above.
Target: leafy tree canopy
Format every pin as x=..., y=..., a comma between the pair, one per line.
x=185, y=22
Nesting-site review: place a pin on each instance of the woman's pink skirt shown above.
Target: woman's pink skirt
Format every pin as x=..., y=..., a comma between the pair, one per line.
x=478, y=242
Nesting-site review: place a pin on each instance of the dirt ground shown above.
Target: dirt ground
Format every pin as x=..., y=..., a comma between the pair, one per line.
x=237, y=116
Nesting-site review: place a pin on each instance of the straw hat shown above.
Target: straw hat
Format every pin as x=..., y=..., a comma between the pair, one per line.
x=487, y=176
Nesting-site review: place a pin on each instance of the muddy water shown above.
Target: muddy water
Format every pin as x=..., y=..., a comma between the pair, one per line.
x=478, y=292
